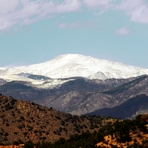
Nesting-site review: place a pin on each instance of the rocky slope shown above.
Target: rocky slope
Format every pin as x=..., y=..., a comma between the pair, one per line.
x=81, y=96
x=131, y=108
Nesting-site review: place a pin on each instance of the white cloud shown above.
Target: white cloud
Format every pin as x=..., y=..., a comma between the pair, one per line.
x=68, y=6
x=136, y=9
x=27, y=11
x=96, y=3
x=123, y=31
x=7, y=7
x=22, y=12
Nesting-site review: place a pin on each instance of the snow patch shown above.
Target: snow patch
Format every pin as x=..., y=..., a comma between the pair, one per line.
x=71, y=65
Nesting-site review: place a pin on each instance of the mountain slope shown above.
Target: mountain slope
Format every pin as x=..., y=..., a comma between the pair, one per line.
x=131, y=108
x=23, y=121
x=81, y=101
x=74, y=65
x=78, y=95
x=130, y=89
x=68, y=97
x=2, y=82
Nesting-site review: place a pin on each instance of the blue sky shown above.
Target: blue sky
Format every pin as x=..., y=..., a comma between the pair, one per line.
x=35, y=31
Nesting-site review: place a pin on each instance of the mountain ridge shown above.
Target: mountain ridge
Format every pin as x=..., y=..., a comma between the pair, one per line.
x=78, y=87
x=80, y=95
x=130, y=108
x=75, y=65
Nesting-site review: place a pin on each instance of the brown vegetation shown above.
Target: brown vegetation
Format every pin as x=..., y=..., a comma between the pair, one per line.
x=12, y=146
x=138, y=135
x=110, y=141
x=23, y=121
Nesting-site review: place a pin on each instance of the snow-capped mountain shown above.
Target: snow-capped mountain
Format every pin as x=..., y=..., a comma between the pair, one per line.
x=76, y=84
x=74, y=65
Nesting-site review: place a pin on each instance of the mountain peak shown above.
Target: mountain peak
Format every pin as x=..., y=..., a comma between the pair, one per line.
x=72, y=57
x=77, y=65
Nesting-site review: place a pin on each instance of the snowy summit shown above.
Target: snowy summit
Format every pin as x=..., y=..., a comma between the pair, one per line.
x=75, y=65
